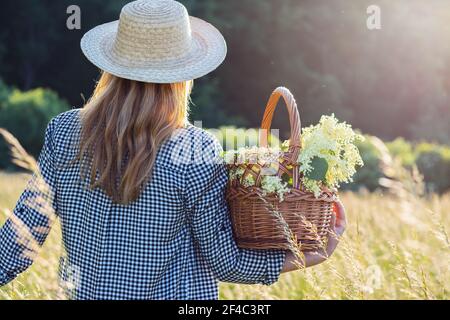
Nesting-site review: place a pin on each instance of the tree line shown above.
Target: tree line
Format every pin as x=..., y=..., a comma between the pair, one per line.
x=389, y=82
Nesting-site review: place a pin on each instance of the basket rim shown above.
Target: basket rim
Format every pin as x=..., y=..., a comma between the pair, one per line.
x=235, y=191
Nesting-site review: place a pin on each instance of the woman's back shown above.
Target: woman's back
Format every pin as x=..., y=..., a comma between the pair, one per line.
x=113, y=247
x=173, y=242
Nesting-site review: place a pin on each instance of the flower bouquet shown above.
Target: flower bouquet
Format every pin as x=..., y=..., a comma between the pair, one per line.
x=281, y=196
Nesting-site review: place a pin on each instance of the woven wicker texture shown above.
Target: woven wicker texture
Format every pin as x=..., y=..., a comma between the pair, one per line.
x=252, y=213
x=155, y=41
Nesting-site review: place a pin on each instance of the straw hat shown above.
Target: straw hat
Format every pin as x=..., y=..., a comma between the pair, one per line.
x=155, y=41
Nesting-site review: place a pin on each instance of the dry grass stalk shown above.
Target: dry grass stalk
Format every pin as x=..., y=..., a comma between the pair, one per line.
x=40, y=199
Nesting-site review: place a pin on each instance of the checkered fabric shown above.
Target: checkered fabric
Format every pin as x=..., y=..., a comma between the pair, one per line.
x=174, y=242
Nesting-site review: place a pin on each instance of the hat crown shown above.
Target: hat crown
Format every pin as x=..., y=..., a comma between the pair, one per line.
x=152, y=30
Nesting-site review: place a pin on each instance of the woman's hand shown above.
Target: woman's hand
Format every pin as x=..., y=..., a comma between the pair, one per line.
x=337, y=228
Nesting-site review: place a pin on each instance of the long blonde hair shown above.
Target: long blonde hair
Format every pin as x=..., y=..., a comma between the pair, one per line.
x=123, y=125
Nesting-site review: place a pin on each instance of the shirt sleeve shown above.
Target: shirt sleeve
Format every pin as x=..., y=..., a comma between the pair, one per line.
x=29, y=224
x=212, y=229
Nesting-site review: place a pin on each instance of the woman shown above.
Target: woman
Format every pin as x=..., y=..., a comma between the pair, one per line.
x=138, y=190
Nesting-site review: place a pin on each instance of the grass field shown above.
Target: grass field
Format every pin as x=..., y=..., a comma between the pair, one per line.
x=394, y=248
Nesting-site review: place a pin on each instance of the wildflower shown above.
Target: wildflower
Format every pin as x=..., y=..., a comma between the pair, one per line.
x=274, y=184
x=333, y=141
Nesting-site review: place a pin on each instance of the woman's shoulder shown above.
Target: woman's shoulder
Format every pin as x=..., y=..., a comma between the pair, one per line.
x=202, y=137
x=67, y=118
x=64, y=130
x=66, y=124
x=206, y=146
x=192, y=145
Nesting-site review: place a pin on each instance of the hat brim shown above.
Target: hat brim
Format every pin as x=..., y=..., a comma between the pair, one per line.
x=207, y=52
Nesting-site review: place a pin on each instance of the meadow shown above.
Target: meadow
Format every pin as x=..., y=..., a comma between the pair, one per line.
x=395, y=247
x=397, y=244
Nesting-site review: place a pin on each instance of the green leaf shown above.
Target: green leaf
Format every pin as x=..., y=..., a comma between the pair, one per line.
x=319, y=171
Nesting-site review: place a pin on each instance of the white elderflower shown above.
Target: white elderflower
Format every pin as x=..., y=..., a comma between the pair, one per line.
x=274, y=184
x=332, y=141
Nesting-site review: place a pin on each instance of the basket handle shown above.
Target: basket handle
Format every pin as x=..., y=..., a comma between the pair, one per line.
x=294, y=119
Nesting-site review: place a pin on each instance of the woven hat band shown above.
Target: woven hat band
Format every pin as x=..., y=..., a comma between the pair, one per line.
x=145, y=36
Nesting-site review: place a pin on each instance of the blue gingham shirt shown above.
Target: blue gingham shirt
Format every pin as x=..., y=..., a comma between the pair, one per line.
x=174, y=242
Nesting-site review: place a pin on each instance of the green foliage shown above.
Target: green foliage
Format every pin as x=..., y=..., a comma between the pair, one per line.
x=380, y=96
x=403, y=150
x=319, y=169
x=26, y=115
x=369, y=175
x=205, y=106
x=4, y=93
x=433, y=161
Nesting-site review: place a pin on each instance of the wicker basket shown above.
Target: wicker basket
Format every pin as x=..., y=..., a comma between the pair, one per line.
x=252, y=213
